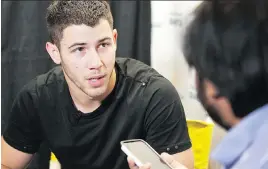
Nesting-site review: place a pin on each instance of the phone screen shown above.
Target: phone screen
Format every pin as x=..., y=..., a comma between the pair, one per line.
x=145, y=154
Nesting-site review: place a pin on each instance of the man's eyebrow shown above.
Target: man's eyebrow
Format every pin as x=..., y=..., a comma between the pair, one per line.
x=83, y=43
x=77, y=44
x=104, y=39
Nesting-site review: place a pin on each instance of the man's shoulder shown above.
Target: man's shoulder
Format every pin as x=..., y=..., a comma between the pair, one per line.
x=136, y=69
x=155, y=84
x=49, y=78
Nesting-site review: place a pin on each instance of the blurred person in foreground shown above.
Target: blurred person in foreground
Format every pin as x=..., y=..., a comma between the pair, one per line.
x=226, y=43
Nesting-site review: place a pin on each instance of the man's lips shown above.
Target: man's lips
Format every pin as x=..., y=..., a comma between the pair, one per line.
x=96, y=77
x=96, y=81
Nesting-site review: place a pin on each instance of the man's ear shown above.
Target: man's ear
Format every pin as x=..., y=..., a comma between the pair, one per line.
x=53, y=52
x=115, y=35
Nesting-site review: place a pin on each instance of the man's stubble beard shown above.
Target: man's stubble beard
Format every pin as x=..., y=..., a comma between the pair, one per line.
x=80, y=86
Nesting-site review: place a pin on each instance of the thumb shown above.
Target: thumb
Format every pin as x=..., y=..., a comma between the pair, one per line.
x=171, y=161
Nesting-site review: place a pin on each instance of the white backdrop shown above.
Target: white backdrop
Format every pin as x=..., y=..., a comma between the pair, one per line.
x=169, y=19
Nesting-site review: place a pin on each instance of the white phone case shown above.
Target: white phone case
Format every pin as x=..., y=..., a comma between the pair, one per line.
x=136, y=160
x=129, y=154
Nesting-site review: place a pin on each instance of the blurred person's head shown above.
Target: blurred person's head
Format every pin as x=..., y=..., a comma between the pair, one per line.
x=226, y=43
x=83, y=42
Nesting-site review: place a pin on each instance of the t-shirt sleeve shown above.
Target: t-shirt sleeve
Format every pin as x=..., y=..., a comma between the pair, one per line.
x=23, y=132
x=165, y=122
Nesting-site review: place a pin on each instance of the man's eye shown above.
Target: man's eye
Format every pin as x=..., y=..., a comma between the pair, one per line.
x=104, y=45
x=80, y=49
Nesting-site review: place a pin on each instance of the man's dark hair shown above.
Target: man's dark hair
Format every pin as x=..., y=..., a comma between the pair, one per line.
x=61, y=14
x=226, y=42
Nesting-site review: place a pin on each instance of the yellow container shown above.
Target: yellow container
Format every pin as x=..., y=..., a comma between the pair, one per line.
x=201, y=135
x=53, y=157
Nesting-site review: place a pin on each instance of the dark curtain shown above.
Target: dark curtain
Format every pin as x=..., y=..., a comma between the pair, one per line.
x=132, y=19
x=24, y=35
x=23, y=57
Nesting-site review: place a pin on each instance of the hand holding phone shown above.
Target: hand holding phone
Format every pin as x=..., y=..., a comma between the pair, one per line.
x=142, y=153
x=167, y=157
x=132, y=164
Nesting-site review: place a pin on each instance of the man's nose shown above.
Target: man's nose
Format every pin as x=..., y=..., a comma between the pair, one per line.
x=94, y=60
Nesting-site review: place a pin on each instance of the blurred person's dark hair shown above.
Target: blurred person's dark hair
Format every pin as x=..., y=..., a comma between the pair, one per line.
x=227, y=44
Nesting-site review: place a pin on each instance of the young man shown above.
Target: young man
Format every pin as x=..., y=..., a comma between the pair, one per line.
x=83, y=108
x=227, y=44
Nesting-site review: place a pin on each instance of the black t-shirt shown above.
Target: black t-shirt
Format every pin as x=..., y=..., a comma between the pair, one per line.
x=143, y=105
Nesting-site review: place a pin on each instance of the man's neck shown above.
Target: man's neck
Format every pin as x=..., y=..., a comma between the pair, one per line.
x=85, y=103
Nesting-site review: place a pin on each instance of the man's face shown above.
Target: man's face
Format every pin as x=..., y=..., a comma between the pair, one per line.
x=87, y=56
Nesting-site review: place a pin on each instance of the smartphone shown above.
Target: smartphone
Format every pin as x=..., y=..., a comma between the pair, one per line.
x=141, y=152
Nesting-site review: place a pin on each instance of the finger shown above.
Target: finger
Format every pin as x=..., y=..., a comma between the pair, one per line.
x=131, y=163
x=146, y=166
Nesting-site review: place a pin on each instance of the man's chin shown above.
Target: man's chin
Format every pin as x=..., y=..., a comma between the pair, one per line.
x=96, y=93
